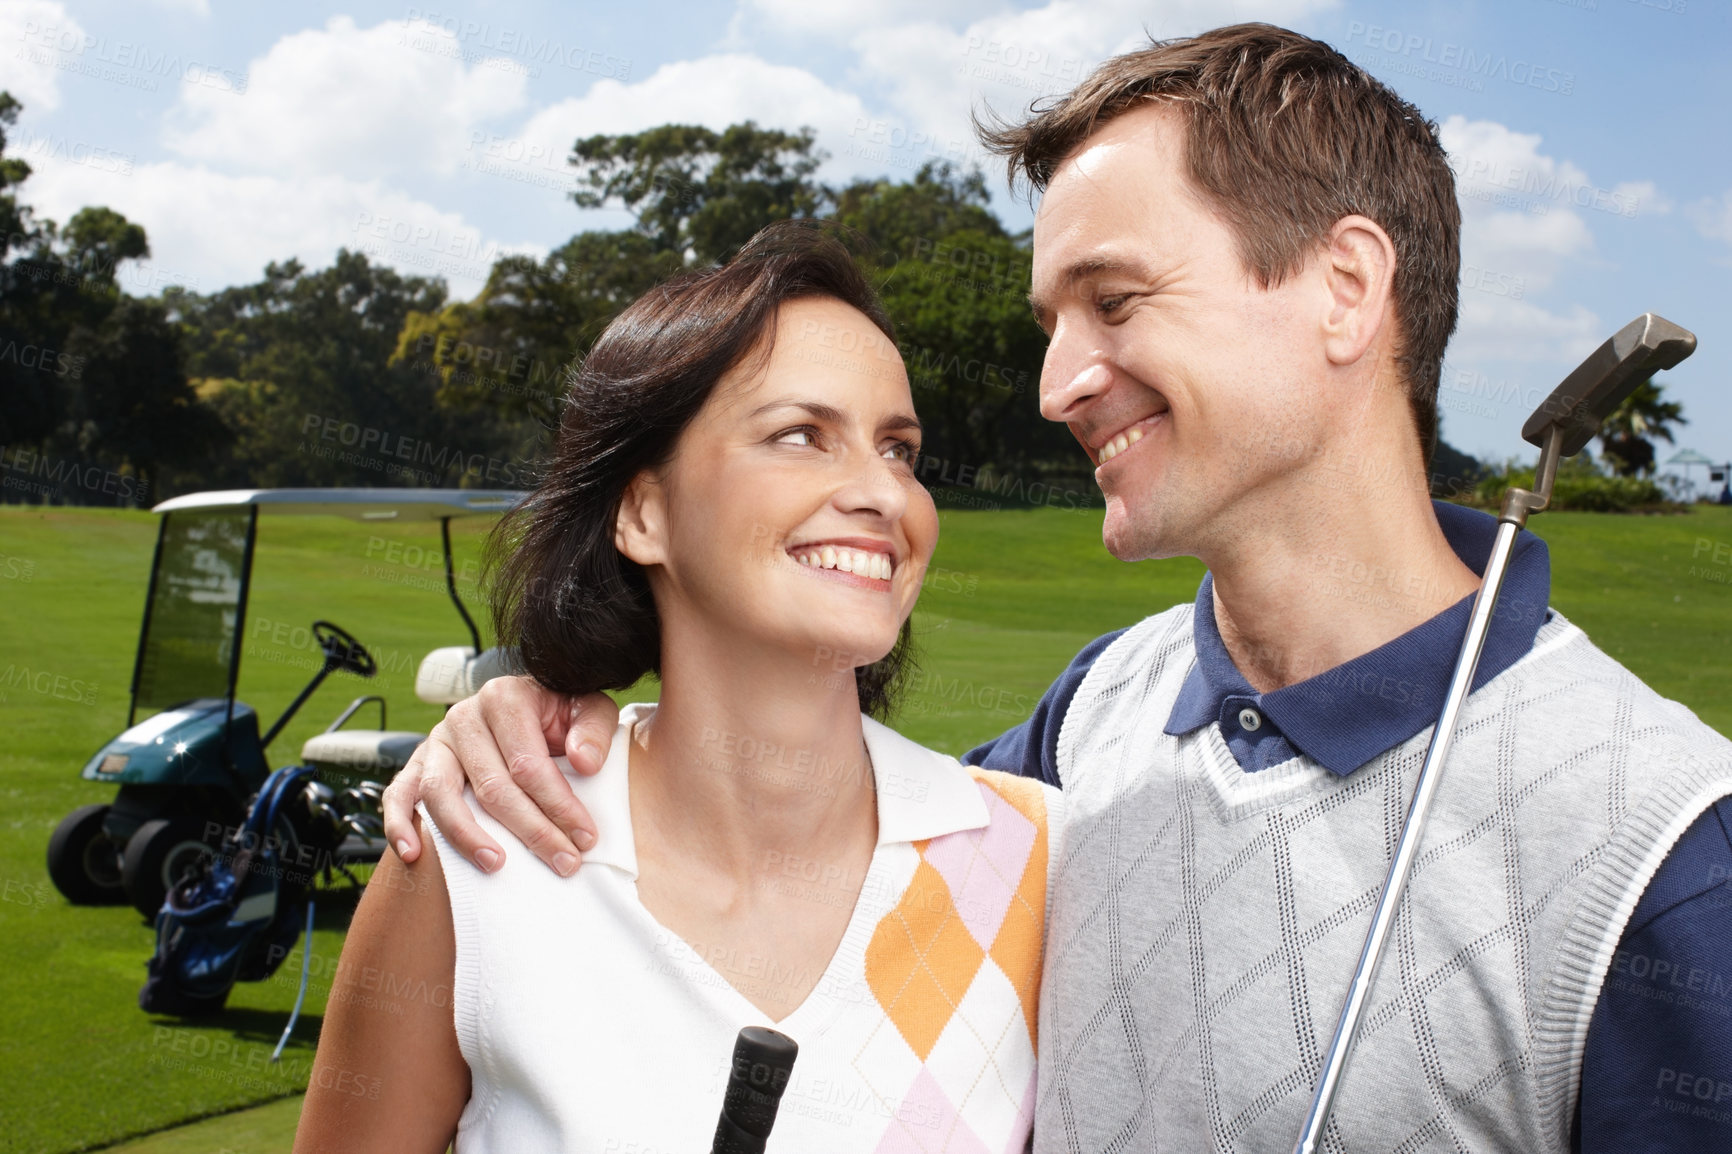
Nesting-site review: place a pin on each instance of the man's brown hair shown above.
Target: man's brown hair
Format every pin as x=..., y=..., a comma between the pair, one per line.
x=1284, y=137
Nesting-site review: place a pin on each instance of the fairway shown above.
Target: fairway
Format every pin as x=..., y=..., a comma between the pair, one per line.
x=1010, y=598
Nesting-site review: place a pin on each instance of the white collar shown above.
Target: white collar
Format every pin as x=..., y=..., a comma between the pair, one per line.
x=921, y=793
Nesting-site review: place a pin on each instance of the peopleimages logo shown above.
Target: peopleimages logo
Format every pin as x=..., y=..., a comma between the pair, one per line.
x=45, y=475
x=518, y=42
x=43, y=360
x=1461, y=58
x=1529, y=187
x=394, y=447
x=135, y=65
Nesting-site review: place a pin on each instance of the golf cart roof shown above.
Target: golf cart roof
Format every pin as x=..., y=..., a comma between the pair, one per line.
x=356, y=504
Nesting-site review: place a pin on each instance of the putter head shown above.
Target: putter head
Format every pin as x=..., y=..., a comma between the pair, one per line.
x=1599, y=384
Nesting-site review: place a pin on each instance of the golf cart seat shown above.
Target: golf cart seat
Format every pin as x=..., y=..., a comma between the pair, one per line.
x=373, y=752
x=455, y=672
x=446, y=677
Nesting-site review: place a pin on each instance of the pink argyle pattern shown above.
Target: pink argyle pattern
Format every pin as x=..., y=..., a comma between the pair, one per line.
x=956, y=967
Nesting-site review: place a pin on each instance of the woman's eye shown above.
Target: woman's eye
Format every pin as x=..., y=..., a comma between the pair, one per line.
x=804, y=437
x=902, y=451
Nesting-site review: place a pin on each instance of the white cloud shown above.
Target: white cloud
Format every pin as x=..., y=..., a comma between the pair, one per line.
x=1643, y=196
x=1530, y=241
x=1498, y=168
x=936, y=61
x=1526, y=218
x=837, y=18
x=210, y=229
x=196, y=7
x=929, y=63
x=1713, y=217
x=1504, y=329
x=305, y=154
x=713, y=91
x=35, y=34
x=399, y=97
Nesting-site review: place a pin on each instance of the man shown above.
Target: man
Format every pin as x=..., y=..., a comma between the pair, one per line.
x=1245, y=256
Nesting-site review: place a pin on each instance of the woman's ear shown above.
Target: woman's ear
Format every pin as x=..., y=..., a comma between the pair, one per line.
x=640, y=529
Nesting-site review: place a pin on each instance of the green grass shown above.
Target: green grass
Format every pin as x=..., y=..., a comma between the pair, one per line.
x=266, y=1129
x=84, y=1066
x=1013, y=595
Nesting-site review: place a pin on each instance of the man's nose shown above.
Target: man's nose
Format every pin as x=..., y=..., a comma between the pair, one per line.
x=1067, y=384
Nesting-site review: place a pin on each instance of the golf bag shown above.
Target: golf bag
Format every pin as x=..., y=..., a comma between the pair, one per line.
x=237, y=919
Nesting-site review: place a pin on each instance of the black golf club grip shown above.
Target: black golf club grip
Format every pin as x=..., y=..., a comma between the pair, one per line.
x=763, y=1062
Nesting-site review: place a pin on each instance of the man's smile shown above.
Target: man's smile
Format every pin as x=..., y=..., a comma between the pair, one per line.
x=1110, y=446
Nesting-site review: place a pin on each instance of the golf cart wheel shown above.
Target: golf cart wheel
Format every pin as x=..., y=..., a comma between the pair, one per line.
x=162, y=852
x=83, y=861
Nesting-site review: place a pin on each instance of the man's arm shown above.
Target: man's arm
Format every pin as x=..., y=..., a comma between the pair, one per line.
x=1031, y=748
x=504, y=740
x=1657, y=1073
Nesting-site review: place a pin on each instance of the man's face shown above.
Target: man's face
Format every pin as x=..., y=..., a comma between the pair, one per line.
x=1186, y=383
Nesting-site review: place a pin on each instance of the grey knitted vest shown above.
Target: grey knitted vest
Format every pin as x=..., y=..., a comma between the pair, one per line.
x=1205, y=921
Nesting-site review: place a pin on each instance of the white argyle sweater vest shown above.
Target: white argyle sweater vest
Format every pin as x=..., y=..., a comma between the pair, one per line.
x=1205, y=921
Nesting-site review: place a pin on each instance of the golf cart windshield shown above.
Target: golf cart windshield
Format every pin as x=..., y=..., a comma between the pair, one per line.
x=198, y=583
x=197, y=590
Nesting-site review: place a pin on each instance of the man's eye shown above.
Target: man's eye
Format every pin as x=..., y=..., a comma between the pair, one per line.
x=1110, y=304
x=805, y=436
x=903, y=451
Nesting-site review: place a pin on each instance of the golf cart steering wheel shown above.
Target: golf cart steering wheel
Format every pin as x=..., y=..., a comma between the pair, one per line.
x=342, y=651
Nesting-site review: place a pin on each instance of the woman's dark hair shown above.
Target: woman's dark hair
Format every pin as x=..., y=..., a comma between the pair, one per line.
x=579, y=611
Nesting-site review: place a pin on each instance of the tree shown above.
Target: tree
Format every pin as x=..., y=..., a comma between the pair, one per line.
x=956, y=286
x=953, y=280
x=133, y=402
x=902, y=221
x=98, y=239
x=697, y=195
x=14, y=217
x=1453, y=472
x=90, y=379
x=508, y=349
x=301, y=368
x=698, y=192
x=1627, y=437
x=28, y=399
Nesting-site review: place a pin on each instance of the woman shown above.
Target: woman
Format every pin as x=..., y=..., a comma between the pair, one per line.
x=732, y=505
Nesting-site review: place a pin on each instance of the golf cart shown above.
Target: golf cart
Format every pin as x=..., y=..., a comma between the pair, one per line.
x=187, y=773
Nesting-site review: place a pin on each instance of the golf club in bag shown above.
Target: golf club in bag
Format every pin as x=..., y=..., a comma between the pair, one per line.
x=1564, y=423
x=236, y=919
x=763, y=1062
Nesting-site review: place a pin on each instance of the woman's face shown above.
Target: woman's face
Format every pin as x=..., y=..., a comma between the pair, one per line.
x=790, y=513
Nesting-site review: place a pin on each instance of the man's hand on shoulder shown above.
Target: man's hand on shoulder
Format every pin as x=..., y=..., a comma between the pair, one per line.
x=503, y=741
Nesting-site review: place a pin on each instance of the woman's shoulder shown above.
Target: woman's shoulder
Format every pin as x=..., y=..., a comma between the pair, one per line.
x=1032, y=798
x=969, y=796
x=603, y=793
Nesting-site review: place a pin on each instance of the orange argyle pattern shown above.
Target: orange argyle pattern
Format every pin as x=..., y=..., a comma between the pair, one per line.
x=978, y=897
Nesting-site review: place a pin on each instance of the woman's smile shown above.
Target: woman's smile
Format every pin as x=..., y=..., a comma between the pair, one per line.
x=864, y=564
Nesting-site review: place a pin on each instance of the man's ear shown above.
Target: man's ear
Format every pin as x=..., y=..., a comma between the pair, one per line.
x=640, y=528
x=1358, y=264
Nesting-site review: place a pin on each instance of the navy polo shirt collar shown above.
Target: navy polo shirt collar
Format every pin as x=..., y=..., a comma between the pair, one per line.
x=1346, y=716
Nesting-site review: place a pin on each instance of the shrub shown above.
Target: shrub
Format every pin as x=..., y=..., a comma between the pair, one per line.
x=1580, y=487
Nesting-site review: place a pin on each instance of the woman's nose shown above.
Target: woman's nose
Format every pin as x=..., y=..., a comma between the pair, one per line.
x=878, y=486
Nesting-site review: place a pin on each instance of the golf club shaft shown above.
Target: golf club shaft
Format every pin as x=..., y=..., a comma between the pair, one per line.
x=1407, y=844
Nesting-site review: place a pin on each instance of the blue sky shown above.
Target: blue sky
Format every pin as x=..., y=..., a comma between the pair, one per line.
x=1589, y=136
